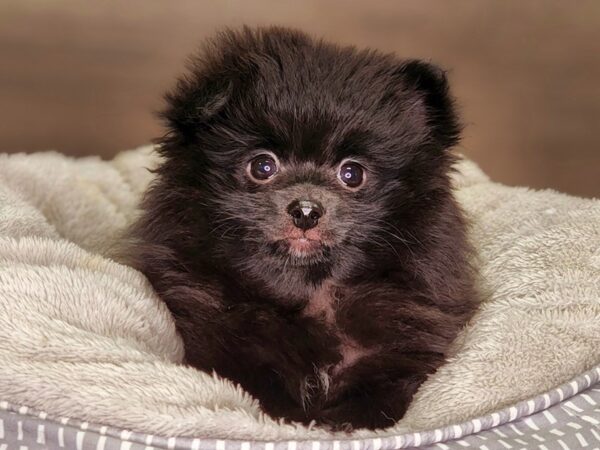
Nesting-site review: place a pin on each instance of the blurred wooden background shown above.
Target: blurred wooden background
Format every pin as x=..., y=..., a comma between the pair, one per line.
x=84, y=77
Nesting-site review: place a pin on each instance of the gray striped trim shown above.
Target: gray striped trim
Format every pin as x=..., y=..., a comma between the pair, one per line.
x=21, y=426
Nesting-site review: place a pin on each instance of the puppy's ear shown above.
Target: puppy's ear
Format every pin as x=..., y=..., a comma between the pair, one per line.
x=213, y=75
x=431, y=84
x=196, y=99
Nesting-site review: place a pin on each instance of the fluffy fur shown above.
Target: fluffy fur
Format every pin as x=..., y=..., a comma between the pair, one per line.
x=346, y=333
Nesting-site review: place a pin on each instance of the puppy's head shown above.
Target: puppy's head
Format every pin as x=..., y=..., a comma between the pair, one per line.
x=292, y=160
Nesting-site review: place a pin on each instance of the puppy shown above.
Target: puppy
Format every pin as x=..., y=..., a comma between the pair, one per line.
x=302, y=228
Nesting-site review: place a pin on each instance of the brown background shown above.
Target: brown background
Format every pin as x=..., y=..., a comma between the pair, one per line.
x=83, y=77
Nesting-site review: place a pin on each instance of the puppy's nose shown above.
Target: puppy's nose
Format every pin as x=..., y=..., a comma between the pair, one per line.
x=305, y=214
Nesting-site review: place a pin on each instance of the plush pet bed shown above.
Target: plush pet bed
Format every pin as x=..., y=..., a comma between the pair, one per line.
x=89, y=356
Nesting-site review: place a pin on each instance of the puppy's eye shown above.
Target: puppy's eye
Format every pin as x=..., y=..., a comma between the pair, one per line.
x=351, y=174
x=262, y=167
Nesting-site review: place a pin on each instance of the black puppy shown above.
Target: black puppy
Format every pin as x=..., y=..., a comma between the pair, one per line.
x=302, y=228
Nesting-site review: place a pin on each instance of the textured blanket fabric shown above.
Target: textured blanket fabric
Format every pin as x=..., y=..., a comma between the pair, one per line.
x=84, y=337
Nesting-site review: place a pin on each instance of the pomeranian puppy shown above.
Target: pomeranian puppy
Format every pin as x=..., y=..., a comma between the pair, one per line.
x=302, y=227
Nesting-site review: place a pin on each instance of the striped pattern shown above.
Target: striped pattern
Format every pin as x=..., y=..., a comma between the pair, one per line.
x=567, y=417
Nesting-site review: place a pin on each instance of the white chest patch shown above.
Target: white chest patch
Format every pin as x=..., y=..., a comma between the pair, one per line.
x=323, y=306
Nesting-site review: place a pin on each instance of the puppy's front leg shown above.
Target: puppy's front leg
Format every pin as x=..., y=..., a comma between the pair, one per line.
x=377, y=391
x=270, y=353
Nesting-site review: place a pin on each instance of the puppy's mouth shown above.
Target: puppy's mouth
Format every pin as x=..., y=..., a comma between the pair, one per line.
x=304, y=246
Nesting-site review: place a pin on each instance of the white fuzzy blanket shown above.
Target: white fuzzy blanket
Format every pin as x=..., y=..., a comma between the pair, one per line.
x=84, y=337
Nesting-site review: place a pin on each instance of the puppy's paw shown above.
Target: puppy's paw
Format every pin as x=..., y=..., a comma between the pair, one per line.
x=314, y=388
x=355, y=412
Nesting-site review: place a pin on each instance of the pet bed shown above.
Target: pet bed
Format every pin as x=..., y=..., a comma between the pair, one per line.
x=89, y=356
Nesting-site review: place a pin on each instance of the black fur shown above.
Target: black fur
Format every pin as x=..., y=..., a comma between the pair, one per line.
x=391, y=279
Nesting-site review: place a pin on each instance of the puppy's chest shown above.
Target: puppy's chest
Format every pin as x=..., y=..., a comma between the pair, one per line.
x=324, y=306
